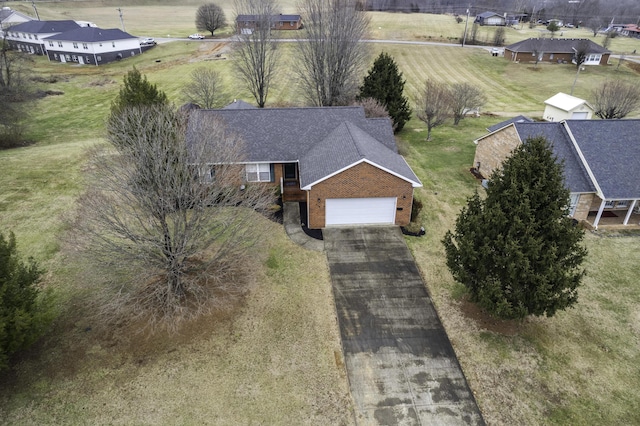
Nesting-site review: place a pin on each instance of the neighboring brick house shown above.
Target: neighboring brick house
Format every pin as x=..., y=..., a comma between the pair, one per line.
x=601, y=163
x=556, y=50
x=278, y=22
x=345, y=166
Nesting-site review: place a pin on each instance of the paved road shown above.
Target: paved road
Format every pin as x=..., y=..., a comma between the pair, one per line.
x=401, y=367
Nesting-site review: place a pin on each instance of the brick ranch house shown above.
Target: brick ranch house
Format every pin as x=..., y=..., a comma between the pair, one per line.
x=556, y=50
x=601, y=164
x=346, y=167
x=278, y=22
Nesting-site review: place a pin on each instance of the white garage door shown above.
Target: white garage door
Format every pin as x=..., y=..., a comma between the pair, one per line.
x=360, y=211
x=579, y=115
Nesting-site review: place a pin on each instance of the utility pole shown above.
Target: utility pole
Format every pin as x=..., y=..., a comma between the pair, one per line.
x=464, y=37
x=33, y=3
x=121, y=20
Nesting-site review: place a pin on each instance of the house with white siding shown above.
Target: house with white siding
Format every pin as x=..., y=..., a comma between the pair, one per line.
x=91, y=45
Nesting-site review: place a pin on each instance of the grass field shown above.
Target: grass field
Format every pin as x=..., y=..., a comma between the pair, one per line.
x=274, y=358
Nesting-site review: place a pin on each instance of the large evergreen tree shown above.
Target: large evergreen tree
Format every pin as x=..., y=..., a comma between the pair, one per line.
x=384, y=83
x=517, y=251
x=137, y=91
x=22, y=315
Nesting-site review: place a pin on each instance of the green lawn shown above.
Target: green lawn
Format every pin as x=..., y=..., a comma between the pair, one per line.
x=246, y=366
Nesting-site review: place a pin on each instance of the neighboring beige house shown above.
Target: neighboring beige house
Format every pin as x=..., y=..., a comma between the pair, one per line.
x=601, y=164
x=566, y=107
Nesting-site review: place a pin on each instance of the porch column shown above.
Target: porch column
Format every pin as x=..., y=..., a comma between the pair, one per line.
x=628, y=216
x=600, y=210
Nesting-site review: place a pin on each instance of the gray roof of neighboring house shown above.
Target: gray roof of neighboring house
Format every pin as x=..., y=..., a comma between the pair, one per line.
x=91, y=35
x=45, y=27
x=575, y=174
x=612, y=151
x=275, y=18
x=518, y=119
x=489, y=15
x=5, y=13
x=293, y=134
x=554, y=45
x=346, y=146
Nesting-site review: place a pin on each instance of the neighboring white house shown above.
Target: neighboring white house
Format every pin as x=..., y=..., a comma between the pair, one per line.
x=9, y=17
x=91, y=45
x=566, y=107
x=28, y=36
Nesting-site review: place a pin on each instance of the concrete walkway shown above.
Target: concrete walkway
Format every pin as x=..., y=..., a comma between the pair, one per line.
x=401, y=367
x=293, y=228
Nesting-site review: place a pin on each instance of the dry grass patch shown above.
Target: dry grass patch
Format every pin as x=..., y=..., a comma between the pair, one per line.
x=268, y=360
x=579, y=367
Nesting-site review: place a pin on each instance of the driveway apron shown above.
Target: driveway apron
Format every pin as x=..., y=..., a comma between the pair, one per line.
x=401, y=366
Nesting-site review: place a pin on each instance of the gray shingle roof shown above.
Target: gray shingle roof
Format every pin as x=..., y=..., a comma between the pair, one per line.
x=286, y=134
x=518, y=119
x=296, y=134
x=45, y=27
x=575, y=174
x=91, y=35
x=346, y=146
x=274, y=18
x=612, y=151
x=554, y=45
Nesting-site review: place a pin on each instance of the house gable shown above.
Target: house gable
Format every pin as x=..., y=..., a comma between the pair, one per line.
x=344, y=147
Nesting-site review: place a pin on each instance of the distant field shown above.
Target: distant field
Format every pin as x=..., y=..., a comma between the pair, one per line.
x=578, y=368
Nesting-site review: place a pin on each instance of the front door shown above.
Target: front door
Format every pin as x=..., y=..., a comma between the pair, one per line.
x=290, y=171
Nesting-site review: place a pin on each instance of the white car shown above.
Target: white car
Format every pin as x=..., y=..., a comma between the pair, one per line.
x=196, y=36
x=146, y=41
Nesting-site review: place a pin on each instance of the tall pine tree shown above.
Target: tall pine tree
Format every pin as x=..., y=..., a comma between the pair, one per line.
x=518, y=252
x=384, y=83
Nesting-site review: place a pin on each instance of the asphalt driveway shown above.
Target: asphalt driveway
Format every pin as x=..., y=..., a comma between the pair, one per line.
x=400, y=363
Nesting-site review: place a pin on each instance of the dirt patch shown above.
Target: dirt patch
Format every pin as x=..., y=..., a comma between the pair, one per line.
x=486, y=321
x=634, y=66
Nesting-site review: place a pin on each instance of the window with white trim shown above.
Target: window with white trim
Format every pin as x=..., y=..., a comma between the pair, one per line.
x=50, y=44
x=259, y=172
x=75, y=45
x=85, y=46
x=609, y=204
x=59, y=44
x=622, y=204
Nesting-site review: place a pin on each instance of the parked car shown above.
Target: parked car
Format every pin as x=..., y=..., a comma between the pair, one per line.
x=146, y=41
x=196, y=36
x=495, y=51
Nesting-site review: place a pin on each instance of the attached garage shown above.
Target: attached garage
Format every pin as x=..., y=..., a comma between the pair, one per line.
x=360, y=211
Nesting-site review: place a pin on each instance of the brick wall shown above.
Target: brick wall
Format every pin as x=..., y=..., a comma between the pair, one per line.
x=493, y=150
x=360, y=181
x=584, y=206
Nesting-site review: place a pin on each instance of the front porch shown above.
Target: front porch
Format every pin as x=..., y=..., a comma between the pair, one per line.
x=291, y=191
x=613, y=220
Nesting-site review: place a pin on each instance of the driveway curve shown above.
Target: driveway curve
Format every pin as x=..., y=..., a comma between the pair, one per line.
x=401, y=366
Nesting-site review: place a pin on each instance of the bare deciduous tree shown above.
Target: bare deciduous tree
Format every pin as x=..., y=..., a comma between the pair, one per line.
x=205, y=88
x=330, y=54
x=615, y=99
x=14, y=94
x=255, y=53
x=372, y=108
x=464, y=98
x=499, y=36
x=580, y=53
x=169, y=212
x=210, y=17
x=434, y=106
